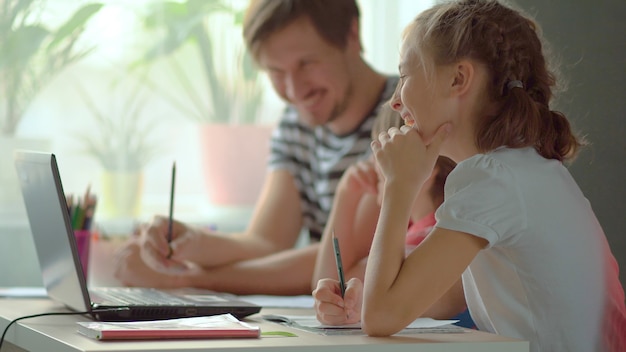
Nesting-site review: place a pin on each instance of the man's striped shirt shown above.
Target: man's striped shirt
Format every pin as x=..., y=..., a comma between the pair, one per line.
x=317, y=158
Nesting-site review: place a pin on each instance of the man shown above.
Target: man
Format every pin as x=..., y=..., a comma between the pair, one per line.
x=311, y=51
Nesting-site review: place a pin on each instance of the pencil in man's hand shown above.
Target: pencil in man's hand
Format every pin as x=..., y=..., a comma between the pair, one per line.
x=171, y=216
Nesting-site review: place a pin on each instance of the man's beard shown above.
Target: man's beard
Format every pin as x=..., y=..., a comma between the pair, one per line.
x=335, y=113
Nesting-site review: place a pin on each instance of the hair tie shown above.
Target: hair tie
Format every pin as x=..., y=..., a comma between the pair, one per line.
x=514, y=84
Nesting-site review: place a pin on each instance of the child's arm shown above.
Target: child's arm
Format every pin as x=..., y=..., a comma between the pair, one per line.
x=353, y=220
x=397, y=291
x=450, y=304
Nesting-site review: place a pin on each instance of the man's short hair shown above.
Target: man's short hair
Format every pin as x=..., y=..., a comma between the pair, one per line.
x=331, y=18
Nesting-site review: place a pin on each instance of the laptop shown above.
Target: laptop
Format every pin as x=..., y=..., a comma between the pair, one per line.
x=62, y=272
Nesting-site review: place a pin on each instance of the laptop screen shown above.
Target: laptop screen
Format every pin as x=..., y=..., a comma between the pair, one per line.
x=50, y=225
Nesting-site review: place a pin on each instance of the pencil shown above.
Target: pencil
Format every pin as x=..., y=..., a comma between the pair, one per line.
x=342, y=283
x=171, y=216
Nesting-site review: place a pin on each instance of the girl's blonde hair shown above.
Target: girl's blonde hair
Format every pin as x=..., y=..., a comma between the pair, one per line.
x=520, y=83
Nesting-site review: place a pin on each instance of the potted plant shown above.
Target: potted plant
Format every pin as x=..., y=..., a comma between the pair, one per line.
x=224, y=97
x=31, y=55
x=122, y=144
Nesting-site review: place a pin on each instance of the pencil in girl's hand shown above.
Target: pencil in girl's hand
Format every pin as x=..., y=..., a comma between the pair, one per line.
x=342, y=281
x=171, y=216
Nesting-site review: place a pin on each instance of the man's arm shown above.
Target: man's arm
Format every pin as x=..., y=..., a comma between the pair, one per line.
x=284, y=273
x=277, y=219
x=274, y=226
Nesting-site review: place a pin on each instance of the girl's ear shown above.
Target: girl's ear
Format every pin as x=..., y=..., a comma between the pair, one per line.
x=463, y=76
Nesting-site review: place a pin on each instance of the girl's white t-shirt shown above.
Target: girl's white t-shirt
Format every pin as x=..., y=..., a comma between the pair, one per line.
x=547, y=275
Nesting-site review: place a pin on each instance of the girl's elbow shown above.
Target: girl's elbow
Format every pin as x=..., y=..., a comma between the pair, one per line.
x=378, y=328
x=376, y=323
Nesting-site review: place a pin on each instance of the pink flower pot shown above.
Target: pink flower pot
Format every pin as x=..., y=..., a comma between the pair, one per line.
x=234, y=162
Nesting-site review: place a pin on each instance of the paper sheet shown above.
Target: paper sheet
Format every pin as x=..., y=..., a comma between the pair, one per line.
x=310, y=323
x=265, y=301
x=23, y=292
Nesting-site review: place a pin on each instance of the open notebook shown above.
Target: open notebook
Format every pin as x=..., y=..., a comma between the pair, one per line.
x=61, y=268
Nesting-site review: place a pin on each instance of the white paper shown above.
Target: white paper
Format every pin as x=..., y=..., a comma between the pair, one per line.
x=23, y=292
x=310, y=321
x=267, y=301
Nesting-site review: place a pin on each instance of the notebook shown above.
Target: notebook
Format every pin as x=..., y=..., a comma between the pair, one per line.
x=62, y=271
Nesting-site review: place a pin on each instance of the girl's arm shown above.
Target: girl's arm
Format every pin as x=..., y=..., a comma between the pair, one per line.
x=450, y=304
x=353, y=220
x=398, y=290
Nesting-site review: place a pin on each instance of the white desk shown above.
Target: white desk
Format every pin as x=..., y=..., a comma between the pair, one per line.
x=58, y=334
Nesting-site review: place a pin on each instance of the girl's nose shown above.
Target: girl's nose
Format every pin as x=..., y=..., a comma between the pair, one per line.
x=395, y=101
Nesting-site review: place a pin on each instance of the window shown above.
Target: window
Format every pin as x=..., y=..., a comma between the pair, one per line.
x=111, y=115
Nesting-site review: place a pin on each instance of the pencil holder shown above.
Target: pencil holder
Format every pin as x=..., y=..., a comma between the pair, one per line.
x=83, y=243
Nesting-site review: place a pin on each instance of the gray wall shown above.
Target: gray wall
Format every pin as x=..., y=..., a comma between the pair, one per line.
x=590, y=38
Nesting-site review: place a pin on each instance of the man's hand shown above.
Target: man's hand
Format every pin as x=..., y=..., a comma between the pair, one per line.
x=166, y=257
x=132, y=270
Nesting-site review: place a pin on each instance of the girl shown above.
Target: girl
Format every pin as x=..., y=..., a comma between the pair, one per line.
x=361, y=187
x=534, y=260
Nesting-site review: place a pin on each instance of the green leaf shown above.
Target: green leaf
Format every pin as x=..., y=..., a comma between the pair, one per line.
x=178, y=23
x=206, y=7
x=185, y=23
x=239, y=16
x=165, y=13
x=21, y=45
x=250, y=71
x=76, y=22
x=169, y=44
x=10, y=12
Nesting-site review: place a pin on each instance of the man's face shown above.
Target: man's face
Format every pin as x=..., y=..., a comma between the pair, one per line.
x=308, y=72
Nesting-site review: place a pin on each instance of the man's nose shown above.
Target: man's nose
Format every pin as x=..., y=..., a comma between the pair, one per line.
x=295, y=86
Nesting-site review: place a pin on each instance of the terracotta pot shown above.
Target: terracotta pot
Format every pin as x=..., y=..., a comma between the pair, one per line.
x=234, y=162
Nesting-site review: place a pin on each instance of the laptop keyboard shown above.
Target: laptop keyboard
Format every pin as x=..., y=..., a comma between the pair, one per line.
x=124, y=296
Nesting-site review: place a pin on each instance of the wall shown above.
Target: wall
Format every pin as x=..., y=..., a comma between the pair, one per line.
x=589, y=38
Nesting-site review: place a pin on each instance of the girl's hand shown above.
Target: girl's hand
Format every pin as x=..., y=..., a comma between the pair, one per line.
x=404, y=158
x=331, y=309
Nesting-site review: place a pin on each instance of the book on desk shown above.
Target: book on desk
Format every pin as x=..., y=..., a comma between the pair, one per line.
x=216, y=326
